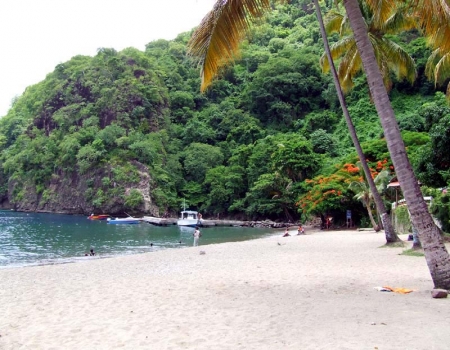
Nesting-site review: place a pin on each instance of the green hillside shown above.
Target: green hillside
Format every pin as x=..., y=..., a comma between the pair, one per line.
x=130, y=131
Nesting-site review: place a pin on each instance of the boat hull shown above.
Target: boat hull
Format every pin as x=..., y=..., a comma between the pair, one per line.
x=123, y=221
x=188, y=222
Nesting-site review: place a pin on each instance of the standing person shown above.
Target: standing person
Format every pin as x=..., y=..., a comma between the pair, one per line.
x=197, y=234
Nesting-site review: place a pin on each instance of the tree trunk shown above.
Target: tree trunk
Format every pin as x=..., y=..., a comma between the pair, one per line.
x=436, y=254
x=389, y=231
x=372, y=220
x=416, y=242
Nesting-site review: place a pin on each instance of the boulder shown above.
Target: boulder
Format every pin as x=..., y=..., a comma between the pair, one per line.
x=439, y=293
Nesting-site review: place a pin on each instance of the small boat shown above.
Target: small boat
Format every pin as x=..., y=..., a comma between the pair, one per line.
x=98, y=217
x=189, y=218
x=129, y=220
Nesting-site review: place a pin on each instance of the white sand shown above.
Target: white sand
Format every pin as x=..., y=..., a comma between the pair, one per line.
x=310, y=292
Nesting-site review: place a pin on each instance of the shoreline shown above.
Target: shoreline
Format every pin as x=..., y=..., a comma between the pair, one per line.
x=313, y=291
x=83, y=258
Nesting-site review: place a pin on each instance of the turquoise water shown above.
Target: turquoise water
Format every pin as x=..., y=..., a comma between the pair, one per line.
x=36, y=239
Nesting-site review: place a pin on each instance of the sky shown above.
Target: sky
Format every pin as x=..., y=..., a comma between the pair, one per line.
x=37, y=35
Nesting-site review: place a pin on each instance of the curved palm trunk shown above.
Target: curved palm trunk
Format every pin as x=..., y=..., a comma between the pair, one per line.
x=389, y=231
x=372, y=220
x=436, y=254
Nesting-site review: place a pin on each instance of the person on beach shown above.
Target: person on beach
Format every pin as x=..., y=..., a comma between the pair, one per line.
x=197, y=234
x=300, y=230
x=286, y=232
x=91, y=252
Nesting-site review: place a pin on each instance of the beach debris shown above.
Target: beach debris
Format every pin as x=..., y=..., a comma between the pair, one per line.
x=439, y=293
x=202, y=252
x=395, y=290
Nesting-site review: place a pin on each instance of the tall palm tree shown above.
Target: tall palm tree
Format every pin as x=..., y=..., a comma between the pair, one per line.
x=436, y=254
x=391, y=57
x=391, y=236
x=215, y=42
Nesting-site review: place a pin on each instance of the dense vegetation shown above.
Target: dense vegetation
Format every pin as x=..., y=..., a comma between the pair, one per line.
x=266, y=140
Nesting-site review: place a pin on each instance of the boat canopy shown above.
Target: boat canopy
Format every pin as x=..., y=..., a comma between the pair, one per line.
x=189, y=214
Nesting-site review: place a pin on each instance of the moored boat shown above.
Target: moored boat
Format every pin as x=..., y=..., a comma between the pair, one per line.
x=189, y=218
x=98, y=217
x=129, y=220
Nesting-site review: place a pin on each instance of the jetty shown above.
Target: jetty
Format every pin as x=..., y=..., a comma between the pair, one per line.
x=212, y=223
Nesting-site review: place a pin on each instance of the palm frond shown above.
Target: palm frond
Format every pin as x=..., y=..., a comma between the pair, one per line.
x=349, y=67
x=401, y=19
x=433, y=17
x=442, y=70
x=381, y=9
x=337, y=50
x=216, y=40
x=333, y=22
x=432, y=61
x=399, y=60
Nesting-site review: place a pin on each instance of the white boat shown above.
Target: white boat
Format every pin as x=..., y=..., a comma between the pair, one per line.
x=129, y=220
x=189, y=218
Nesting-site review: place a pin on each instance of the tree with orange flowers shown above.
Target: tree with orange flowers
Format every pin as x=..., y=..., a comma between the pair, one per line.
x=328, y=193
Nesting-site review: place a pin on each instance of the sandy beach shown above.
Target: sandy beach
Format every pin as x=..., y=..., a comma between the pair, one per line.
x=315, y=291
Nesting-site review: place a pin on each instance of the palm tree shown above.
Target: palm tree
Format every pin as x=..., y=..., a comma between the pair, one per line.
x=364, y=194
x=391, y=58
x=391, y=236
x=218, y=37
x=215, y=42
x=436, y=254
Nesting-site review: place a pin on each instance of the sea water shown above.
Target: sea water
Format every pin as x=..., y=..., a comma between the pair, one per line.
x=39, y=239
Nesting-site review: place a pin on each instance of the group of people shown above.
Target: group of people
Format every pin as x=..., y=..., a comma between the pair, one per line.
x=91, y=253
x=300, y=231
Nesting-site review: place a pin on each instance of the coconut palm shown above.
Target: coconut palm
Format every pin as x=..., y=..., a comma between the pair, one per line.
x=391, y=57
x=215, y=43
x=364, y=194
x=216, y=40
x=436, y=254
x=391, y=236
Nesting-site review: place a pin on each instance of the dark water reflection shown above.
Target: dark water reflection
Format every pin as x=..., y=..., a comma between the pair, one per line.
x=30, y=238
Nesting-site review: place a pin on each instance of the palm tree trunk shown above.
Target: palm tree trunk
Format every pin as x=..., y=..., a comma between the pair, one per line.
x=436, y=254
x=389, y=231
x=369, y=211
x=416, y=242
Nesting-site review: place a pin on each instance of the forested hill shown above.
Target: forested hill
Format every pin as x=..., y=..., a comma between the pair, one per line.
x=130, y=131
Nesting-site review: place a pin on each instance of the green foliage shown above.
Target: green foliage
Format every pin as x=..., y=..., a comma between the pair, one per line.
x=134, y=199
x=402, y=219
x=198, y=159
x=244, y=148
x=440, y=208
